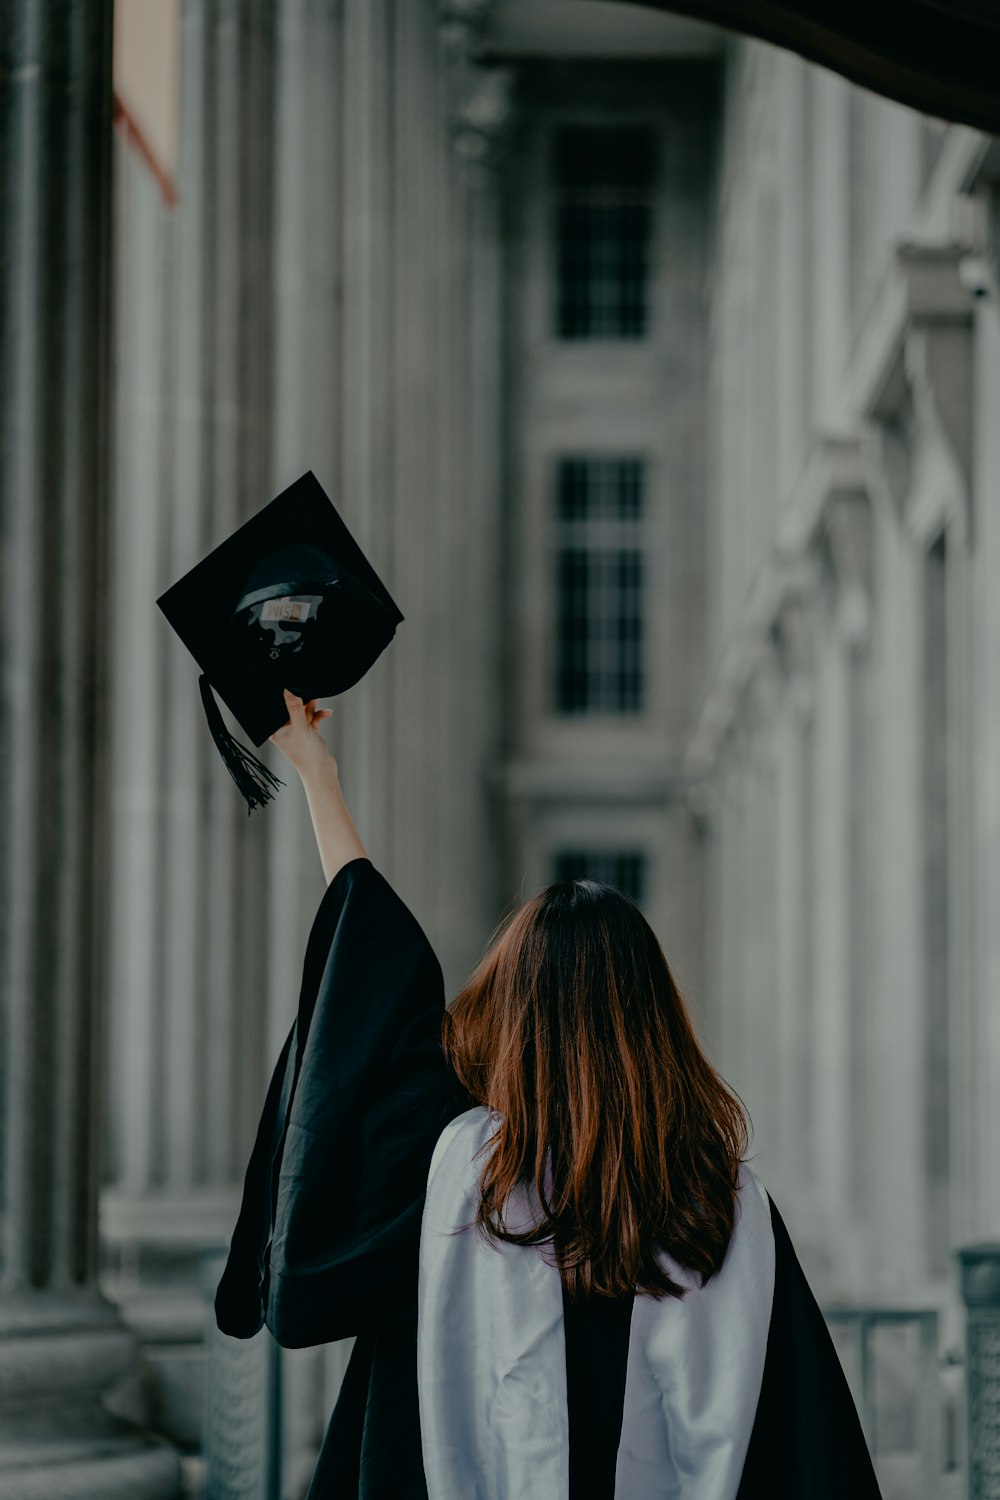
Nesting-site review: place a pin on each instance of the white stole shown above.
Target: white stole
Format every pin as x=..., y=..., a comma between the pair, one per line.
x=491, y=1354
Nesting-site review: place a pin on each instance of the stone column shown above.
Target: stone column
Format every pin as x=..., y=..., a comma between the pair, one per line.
x=452, y=698
x=919, y=480
x=729, y=822
x=734, y=1056
x=480, y=110
x=898, y=1188
x=756, y=993
x=61, y=1344
x=829, y=978
x=315, y=146
x=981, y=1031
x=717, y=800
x=362, y=134
x=794, y=644
x=844, y=1051
x=190, y=1016
x=443, y=540
x=827, y=211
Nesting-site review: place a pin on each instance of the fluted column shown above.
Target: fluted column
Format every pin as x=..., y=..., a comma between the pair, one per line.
x=364, y=461
x=740, y=876
x=899, y=1201
x=189, y=878
x=481, y=115
x=848, y=535
x=425, y=435
x=315, y=144
x=840, y=972
x=979, y=1037
x=760, y=918
x=61, y=1344
x=458, y=544
x=923, y=880
x=794, y=645
x=723, y=843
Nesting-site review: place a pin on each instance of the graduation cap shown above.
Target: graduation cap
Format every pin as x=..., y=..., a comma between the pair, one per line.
x=289, y=600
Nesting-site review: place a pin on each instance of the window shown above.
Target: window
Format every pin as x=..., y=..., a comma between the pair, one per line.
x=603, y=178
x=625, y=869
x=599, y=585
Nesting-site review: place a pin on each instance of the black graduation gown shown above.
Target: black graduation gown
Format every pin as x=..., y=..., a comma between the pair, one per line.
x=327, y=1239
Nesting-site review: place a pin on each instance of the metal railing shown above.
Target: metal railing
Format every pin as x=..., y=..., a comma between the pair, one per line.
x=980, y=1273
x=893, y=1366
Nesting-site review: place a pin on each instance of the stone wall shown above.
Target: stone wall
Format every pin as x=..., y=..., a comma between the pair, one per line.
x=322, y=295
x=846, y=731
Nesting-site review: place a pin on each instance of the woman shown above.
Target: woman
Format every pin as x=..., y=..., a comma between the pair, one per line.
x=532, y=1212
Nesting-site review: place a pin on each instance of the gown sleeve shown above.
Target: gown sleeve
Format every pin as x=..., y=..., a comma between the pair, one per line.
x=327, y=1238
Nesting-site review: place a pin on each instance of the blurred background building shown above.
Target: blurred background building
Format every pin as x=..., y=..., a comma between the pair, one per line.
x=657, y=372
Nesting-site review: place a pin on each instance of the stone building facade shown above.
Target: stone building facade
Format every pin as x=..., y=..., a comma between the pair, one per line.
x=318, y=288
x=655, y=372
x=844, y=737
x=606, y=193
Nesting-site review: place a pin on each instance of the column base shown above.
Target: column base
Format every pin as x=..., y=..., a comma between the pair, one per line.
x=59, y=1355
x=150, y=1471
x=152, y=1252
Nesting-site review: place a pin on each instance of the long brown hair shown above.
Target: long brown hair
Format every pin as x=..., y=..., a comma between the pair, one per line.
x=572, y=1029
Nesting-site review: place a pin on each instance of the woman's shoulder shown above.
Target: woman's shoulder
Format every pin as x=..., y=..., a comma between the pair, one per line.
x=753, y=1225
x=463, y=1137
x=750, y=1183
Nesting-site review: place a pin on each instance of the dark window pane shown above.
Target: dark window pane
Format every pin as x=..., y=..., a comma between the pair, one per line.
x=603, y=228
x=596, y=487
x=573, y=629
x=604, y=156
x=600, y=585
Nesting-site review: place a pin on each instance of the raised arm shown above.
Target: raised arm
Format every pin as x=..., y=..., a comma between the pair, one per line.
x=327, y=1238
x=300, y=740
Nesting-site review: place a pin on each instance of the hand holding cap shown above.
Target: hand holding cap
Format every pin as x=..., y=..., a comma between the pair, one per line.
x=288, y=601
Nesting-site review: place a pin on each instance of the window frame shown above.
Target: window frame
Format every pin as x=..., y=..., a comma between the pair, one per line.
x=647, y=197
x=625, y=536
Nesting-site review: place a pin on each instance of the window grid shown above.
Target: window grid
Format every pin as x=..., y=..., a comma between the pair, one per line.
x=603, y=229
x=625, y=869
x=600, y=581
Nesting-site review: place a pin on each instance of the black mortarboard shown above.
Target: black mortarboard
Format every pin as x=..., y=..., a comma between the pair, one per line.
x=289, y=600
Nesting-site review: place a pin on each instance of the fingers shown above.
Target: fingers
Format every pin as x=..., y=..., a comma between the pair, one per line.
x=309, y=710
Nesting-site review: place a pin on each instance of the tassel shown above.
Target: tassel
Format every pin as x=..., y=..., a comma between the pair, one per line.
x=253, y=778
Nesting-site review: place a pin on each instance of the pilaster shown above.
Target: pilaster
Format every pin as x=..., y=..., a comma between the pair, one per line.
x=61, y=1345
x=189, y=933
